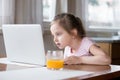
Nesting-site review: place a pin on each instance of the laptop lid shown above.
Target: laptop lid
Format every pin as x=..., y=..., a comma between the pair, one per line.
x=24, y=43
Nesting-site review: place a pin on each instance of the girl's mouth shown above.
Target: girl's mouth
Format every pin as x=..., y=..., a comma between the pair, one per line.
x=58, y=44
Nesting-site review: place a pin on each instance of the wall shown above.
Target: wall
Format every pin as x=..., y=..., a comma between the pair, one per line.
x=2, y=48
x=48, y=41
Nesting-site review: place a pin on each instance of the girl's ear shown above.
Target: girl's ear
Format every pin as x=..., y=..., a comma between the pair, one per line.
x=74, y=32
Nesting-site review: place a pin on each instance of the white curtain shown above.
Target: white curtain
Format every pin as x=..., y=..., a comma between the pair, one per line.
x=61, y=6
x=29, y=12
x=0, y=13
x=21, y=12
x=8, y=11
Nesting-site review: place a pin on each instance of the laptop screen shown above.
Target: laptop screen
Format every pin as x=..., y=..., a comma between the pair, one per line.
x=24, y=43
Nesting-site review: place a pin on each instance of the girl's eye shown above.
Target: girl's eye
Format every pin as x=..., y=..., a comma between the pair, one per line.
x=58, y=34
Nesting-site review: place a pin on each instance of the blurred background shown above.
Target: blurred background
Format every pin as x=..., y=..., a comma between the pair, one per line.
x=101, y=19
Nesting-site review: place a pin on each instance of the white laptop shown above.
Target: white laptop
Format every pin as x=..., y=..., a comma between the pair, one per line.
x=24, y=43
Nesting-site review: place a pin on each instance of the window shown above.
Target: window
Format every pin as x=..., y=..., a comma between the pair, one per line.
x=103, y=14
x=48, y=9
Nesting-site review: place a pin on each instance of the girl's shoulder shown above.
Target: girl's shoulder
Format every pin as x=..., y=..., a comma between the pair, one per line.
x=84, y=39
x=87, y=41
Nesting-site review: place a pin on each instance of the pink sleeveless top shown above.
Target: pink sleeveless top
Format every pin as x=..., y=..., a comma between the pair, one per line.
x=83, y=49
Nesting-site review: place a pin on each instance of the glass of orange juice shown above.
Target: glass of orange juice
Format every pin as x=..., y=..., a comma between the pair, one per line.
x=55, y=60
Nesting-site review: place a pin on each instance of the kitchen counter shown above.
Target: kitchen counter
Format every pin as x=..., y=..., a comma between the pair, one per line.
x=114, y=39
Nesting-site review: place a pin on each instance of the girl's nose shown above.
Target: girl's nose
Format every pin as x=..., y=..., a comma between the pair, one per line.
x=55, y=39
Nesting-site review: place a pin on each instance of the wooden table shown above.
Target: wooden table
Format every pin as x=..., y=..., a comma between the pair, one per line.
x=100, y=72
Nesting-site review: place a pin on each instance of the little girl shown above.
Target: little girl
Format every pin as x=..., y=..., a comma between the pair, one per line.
x=68, y=33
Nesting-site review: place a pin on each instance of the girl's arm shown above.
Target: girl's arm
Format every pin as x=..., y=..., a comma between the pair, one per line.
x=99, y=57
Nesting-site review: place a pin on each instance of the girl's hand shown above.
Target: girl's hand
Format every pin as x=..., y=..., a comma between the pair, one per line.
x=72, y=60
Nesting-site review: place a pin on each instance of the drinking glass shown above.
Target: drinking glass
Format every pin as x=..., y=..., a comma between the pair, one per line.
x=55, y=60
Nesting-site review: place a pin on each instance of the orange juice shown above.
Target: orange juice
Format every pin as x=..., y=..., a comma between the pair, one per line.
x=55, y=63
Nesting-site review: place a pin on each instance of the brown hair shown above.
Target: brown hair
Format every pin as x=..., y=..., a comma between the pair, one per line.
x=70, y=22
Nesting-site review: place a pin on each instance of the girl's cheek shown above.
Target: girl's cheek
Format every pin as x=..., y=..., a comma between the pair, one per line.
x=61, y=38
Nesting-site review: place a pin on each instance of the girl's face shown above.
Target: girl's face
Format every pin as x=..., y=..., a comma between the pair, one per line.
x=61, y=37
